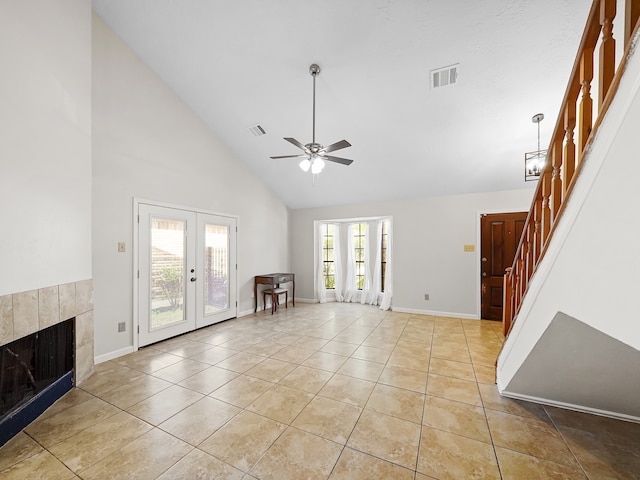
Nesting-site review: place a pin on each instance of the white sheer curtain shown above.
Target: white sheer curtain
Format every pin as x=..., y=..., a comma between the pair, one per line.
x=337, y=263
x=376, y=284
x=388, y=275
x=350, y=288
x=366, y=287
x=322, y=291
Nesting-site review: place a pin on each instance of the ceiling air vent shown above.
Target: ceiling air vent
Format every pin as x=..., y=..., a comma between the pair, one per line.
x=444, y=76
x=257, y=130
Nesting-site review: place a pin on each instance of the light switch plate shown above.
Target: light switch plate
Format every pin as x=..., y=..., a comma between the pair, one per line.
x=121, y=247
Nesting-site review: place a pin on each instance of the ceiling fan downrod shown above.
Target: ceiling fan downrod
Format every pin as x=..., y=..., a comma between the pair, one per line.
x=314, y=70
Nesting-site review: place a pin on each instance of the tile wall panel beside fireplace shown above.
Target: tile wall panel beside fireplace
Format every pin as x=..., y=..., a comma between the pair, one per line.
x=24, y=313
x=6, y=319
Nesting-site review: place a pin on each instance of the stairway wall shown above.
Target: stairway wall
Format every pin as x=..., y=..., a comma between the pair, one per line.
x=591, y=270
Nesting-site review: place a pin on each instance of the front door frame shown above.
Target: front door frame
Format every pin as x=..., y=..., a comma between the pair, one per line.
x=478, y=252
x=135, y=264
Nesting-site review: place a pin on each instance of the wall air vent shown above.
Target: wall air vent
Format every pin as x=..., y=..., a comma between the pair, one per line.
x=442, y=77
x=257, y=130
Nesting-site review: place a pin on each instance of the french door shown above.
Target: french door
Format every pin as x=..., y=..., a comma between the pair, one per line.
x=186, y=269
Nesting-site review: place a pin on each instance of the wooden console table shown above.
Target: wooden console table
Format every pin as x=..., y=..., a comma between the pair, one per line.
x=274, y=279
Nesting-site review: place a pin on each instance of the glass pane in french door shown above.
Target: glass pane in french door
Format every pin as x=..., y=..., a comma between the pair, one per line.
x=167, y=272
x=216, y=268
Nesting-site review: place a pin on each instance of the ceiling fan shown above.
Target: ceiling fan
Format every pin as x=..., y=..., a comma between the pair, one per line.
x=315, y=154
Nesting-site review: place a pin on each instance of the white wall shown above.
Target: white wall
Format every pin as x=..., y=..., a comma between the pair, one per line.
x=429, y=236
x=45, y=143
x=591, y=270
x=148, y=144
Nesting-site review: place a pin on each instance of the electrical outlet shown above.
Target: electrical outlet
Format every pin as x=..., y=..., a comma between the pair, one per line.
x=121, y=247
x=122, y=327
x=426, y=296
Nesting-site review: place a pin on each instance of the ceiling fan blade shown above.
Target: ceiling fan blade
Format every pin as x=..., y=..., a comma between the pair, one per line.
x=290, y=156
x=297, y=143
x=336, y=146
x=343, y=161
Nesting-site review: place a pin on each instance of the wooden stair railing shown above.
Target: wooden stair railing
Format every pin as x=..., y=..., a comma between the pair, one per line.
x=566, y=154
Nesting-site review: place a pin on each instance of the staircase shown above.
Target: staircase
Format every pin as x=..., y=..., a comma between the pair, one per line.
x=572, y=296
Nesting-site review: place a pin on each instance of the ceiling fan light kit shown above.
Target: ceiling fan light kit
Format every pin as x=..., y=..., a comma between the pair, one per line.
x=315, y=155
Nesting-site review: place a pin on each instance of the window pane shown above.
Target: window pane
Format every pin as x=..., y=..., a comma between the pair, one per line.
x=359, y=230
x=328, y=256
x=384, y=272
x=167, y=271
x=216, y=287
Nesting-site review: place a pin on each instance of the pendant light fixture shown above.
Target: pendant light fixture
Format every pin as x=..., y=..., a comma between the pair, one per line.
x=534, y=161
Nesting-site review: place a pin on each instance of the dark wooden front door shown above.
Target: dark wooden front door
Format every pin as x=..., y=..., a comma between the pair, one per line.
x=499, y=235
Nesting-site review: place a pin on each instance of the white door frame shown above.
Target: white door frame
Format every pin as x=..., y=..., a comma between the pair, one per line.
x=136, y=243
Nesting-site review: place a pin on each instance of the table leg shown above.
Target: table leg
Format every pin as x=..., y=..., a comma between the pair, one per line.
x=255, y=294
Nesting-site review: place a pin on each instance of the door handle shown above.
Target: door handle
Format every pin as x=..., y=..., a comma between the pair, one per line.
x=484, y=274
x=193, y=279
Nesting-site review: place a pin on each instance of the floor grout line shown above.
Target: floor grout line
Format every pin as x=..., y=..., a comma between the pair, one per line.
x=308, y=329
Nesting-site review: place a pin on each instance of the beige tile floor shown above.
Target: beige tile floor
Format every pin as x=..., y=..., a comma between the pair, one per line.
x=334, y=391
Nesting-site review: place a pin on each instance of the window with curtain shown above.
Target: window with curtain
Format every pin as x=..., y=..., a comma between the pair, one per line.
x=328, y=265
x=354, y=261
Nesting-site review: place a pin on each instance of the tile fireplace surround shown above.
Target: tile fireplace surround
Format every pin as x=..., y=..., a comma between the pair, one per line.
x=24, y=313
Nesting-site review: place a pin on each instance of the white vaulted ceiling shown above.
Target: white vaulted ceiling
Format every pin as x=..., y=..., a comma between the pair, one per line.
x=241, y=62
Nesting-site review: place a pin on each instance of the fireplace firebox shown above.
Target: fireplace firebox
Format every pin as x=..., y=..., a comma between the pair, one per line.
x=35, y=371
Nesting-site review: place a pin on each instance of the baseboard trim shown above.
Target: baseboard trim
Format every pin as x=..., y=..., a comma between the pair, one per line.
x=244, y=313
x=571, y=406
x=309, y=300
x=105, y=357
x=468, y=316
